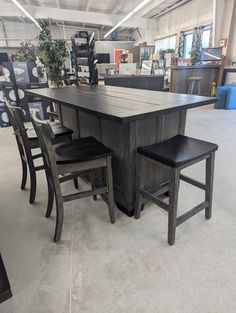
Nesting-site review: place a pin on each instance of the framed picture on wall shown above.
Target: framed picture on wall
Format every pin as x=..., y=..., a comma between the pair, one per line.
x=229, y=76
x=117, y=54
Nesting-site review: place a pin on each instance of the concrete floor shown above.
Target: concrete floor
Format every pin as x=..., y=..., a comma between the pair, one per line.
x=126, y=267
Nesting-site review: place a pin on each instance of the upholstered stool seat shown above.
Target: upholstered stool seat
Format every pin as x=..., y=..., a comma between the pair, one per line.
x=176, y=154
x=178, y=150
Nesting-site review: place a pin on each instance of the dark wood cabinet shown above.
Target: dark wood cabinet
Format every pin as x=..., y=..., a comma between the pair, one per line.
x=149, y=82
x=180, y=77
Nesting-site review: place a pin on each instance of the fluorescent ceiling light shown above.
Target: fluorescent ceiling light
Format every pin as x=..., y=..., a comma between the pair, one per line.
x=26, y=13
x=134, y=11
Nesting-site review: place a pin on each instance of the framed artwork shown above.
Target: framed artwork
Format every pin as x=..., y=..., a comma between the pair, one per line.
x=146, y=53
x=117, y=54
x=229, y=76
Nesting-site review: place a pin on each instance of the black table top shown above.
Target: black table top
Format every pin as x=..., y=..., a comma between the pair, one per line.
x=119, y=103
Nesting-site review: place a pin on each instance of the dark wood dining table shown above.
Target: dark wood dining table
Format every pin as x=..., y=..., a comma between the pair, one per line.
x=124, y=119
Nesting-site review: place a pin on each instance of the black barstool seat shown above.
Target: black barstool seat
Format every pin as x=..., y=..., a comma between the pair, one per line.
x=178, y=150
x=80, y=150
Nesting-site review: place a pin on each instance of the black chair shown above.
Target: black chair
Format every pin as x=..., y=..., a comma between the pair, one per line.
x=5, y=288
x=69, y=160
x=176, y=154
x=27, y=142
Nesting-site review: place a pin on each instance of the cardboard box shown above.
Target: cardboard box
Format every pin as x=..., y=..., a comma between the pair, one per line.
x=21, y=72
x=8, y=71
x=33, y=72
x=9, y=91
x=43, y=107
x=4, y=119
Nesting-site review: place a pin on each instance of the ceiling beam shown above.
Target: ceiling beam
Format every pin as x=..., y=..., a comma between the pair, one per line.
x=9, y=10
x=4, y=32
x=89, y=2
x=116, y=7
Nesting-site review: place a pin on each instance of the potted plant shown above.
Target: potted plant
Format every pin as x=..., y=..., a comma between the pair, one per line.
x=195, y=56
x=53, y=52
x=27, y=52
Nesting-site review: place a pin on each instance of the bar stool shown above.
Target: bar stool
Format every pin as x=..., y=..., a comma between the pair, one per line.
x=176, y=154
x=66, y=161
x=195, y=83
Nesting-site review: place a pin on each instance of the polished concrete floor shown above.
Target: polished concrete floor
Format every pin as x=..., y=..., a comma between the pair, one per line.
x=126, y=267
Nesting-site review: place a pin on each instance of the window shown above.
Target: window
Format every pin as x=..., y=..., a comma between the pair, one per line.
x=206, y=34
x=188, y=41
x=165, y=43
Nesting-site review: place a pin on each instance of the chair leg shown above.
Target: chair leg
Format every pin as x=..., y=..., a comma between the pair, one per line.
x=173, y=202
x=209, y=183
x=24, y=174
x=111, y=204
x=139, y=198
x=92, y=178
x=59, y=218
x=76, y=184
x=33, y=184
x=50, y=197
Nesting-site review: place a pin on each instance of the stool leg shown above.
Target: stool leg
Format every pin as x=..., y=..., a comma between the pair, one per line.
x=173, y=202
x=199, y=87
x=191, y=88
x=111, y=204
x=139, y=185
x=209, y=183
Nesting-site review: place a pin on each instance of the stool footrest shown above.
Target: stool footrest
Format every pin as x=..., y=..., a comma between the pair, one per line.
x=193, y=182
x=198, y=208
x=155, y=192
x=155, y=199
x=84, y=194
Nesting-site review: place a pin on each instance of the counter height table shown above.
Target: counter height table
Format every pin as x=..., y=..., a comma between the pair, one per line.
x=124, y=119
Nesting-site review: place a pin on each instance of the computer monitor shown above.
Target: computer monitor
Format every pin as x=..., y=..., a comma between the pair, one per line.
x=103, y=57
x=211, y=54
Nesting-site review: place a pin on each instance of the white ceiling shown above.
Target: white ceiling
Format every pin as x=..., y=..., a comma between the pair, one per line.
x=113, y=7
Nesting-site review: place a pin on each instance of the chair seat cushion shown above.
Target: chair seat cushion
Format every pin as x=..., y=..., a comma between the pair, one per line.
x=80, y=150
x=57, y=128
x=178, y=150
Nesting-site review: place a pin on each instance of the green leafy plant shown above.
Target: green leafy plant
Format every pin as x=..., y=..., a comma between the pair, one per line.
x=53, y=53
x=195, y=55
x=27, y=52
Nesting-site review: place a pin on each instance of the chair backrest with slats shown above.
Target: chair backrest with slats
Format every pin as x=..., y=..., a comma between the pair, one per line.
x=45, y=138
x=19, y=140
x=19, y=116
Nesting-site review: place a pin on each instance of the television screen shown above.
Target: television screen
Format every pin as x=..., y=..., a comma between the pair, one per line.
x=103, y=58
x=4, y=57
x=211, y=54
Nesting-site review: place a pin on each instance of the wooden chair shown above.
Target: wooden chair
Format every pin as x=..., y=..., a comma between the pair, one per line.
x=71, y=159
x=27, y=142
x=176, y=154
